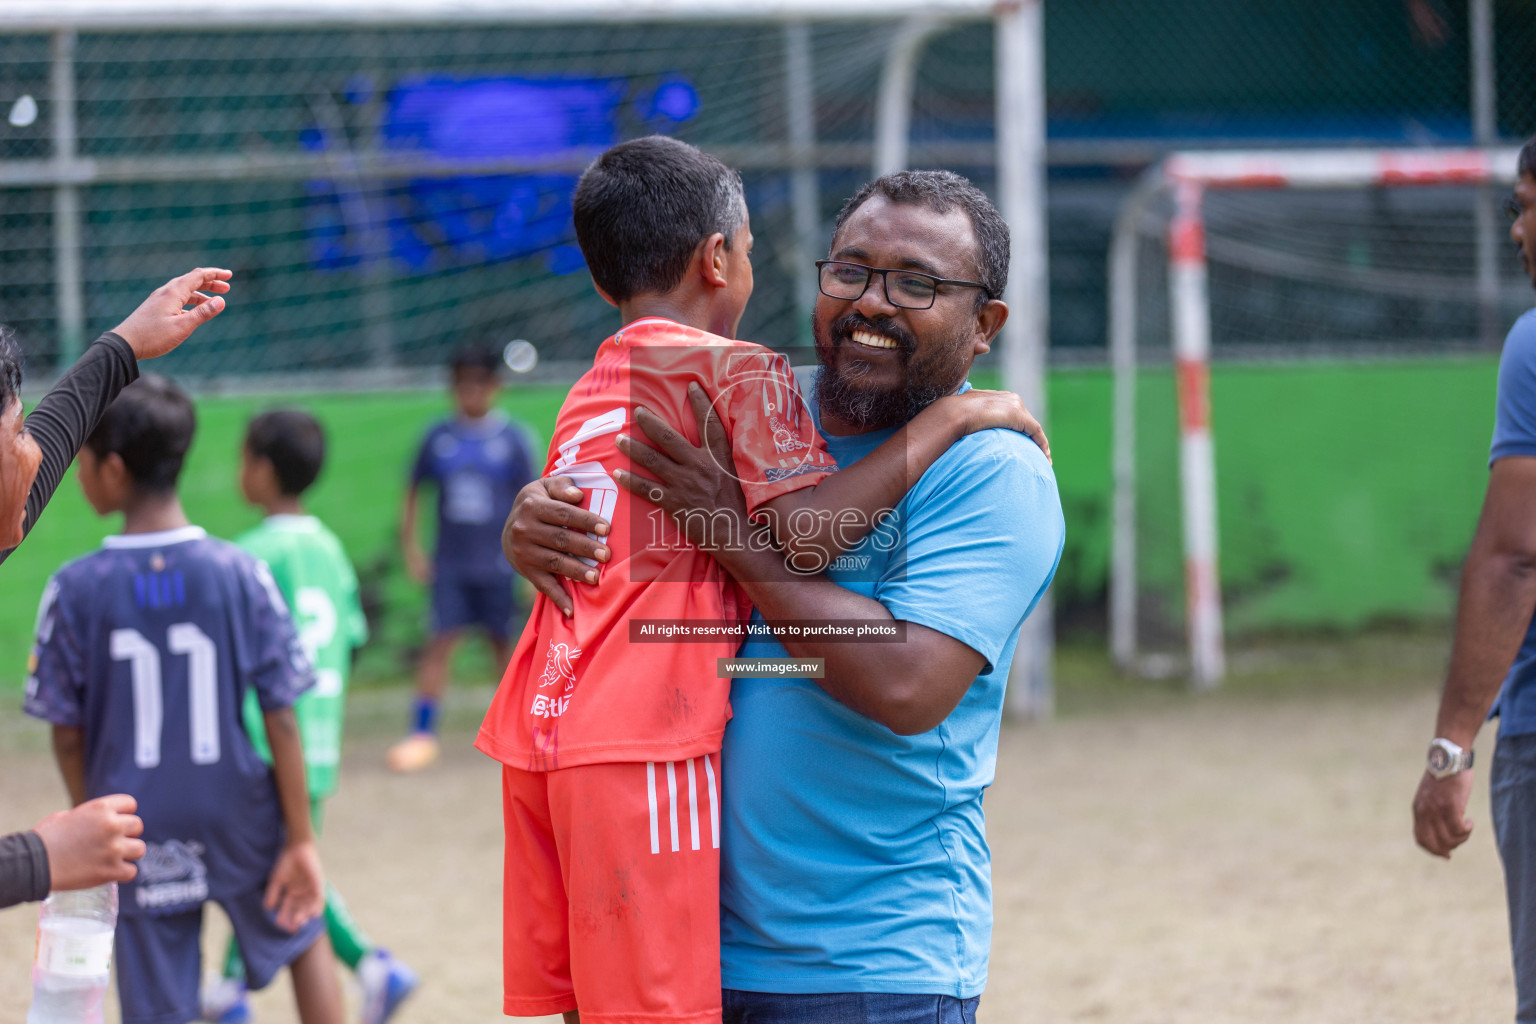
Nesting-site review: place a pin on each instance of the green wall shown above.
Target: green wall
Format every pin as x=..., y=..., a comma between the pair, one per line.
x=1348, y=492
x=1348, y=495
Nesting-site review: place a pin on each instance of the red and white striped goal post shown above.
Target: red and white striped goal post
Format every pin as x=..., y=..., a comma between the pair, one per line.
x=1187, y=176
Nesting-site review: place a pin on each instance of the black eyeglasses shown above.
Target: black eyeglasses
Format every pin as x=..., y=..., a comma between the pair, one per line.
x=904, y=288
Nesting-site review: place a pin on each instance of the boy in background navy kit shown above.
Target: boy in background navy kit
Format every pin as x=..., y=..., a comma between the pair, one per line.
x=145, y=652
x=478, y=461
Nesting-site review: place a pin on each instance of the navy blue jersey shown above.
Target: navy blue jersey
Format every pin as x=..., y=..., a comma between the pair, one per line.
x=149, y=646
x=478, y=466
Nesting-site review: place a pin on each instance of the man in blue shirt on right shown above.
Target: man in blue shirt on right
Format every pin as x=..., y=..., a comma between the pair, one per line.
x=855, y=874
x=1493, y=658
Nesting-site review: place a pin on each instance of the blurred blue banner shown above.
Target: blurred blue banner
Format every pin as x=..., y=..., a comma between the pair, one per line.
x=436, y=224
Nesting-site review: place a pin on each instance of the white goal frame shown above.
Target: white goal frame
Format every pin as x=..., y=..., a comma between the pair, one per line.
x=1186, y=177
x=1019, y=34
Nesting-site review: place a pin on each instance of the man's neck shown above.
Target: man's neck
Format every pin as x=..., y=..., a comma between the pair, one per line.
x=690, y=310
x=154, y=513
x=283, y=505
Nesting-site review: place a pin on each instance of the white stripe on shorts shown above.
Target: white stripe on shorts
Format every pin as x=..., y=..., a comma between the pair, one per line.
x=672, y=799
x=693, y=807
x=714, y=805
x=650, y=796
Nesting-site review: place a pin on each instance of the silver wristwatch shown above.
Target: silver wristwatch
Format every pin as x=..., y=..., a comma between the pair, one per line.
x=1447, y=759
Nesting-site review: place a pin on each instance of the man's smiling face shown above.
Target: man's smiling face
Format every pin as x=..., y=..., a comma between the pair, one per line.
x=881, y=363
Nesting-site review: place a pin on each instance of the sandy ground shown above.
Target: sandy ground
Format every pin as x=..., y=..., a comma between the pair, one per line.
x=1158, y=858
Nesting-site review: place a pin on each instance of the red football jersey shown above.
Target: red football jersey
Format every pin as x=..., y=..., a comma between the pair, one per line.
x=578, y=691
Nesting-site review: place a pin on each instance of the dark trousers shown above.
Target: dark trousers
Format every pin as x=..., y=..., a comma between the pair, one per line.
x=1512, y=786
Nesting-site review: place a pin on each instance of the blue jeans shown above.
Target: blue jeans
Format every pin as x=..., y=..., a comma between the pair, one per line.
x=1512, y=791
x=845, y=1008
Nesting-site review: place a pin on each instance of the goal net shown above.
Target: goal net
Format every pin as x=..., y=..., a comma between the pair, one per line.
x=386, y=191
x=1289, y=270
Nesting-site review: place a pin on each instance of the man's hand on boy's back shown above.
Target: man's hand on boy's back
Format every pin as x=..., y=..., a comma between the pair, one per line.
x=296, y=890
x=683, y=476
x=162, y=322
x=93, y=844
x=546, y=536
x=978, y=410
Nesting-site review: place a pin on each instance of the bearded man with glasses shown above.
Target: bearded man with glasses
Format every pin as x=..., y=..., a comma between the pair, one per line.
x=855, y=876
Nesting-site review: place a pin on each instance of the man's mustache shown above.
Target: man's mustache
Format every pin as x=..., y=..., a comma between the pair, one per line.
x=842, y=330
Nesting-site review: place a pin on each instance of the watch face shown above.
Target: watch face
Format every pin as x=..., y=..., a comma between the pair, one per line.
x=1439, y=759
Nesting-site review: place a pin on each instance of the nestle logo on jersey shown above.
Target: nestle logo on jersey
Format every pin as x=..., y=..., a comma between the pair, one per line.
x=549, y=707
x=784, y=439
x=171, y=874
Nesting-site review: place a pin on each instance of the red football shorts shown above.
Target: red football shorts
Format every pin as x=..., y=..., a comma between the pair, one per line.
x=612, y=892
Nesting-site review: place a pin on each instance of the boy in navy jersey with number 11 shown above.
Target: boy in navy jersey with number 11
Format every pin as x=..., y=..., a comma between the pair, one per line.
x=145, y=652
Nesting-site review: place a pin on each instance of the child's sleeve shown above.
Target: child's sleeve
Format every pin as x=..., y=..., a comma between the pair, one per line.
x=56, y=668
x=354, y=621
x=425, y=467
x=279, y=670
x=524, y=444
x=773, y=439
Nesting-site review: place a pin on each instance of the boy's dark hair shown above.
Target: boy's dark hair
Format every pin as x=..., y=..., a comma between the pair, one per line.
x=10, y=367
x=942, y=191
x=293, y=441
x=643, y=207
x=150, y=427
x=1527, y=163
x=475, y=357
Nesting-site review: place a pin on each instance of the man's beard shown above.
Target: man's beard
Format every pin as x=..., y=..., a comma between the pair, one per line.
x=842, y=389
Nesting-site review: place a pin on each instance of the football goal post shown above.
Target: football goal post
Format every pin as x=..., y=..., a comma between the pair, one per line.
x=1349, y=251
x=396, y=174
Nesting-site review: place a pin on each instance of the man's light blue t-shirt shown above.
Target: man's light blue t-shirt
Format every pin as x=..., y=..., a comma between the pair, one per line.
x=853, y=859
x=1514, y=433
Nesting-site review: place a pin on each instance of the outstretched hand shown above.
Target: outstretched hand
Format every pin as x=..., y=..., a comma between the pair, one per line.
x=162, y=321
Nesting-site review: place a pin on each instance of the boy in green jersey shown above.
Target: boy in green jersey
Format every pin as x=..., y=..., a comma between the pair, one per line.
x=282, y=455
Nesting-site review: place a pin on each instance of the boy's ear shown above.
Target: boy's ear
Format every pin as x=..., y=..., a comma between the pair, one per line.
x=606, y=297
x=261, y=466
x=712, y=260
x=114, y=473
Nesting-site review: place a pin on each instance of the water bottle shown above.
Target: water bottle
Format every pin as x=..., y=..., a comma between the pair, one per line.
x=74, y=956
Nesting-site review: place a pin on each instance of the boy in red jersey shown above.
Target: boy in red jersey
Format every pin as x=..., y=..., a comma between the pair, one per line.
x=610, y=748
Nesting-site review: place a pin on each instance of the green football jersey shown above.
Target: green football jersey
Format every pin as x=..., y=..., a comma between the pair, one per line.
x=320, y=586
